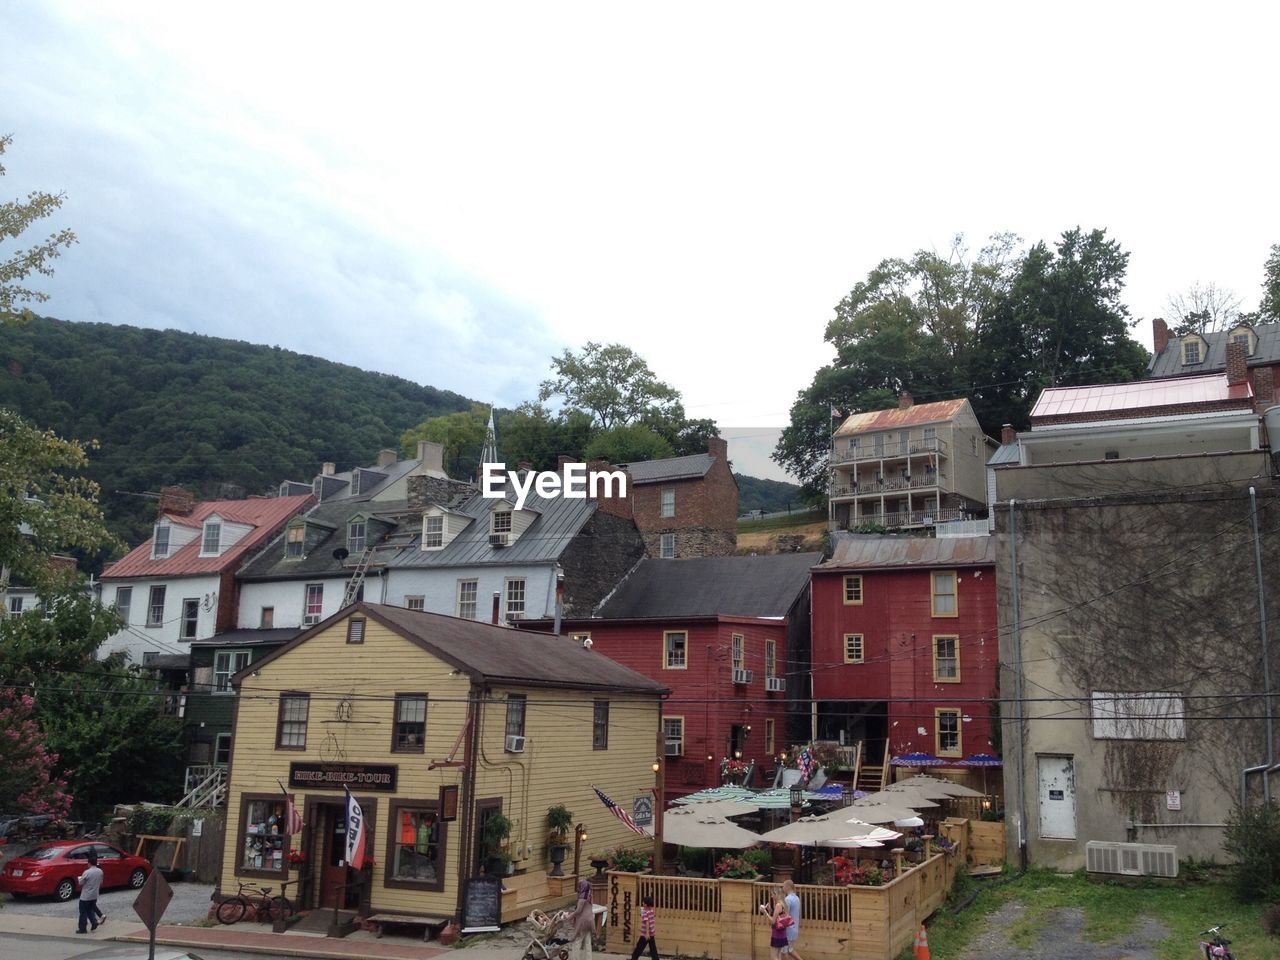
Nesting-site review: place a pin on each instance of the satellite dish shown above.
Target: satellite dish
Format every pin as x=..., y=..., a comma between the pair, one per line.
x=341, y=554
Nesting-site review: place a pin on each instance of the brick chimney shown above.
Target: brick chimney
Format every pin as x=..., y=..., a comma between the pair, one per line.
x=177, y=501
x=614, y=505
x=904, y=400
x=1264, y=387
x=1008, y=434
x=328, y=468
x=1237, y=368
x=431, y=456
x=386, y=458
x=1160, y=334
x=718, y=447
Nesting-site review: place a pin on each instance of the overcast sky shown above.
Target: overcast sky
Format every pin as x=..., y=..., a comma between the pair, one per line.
x=453, y=193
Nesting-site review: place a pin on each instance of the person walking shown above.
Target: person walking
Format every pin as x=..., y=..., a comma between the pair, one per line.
x=583, y=921
x=90, y=883
x=792, y=900
x=648, y=927
x=779, y=921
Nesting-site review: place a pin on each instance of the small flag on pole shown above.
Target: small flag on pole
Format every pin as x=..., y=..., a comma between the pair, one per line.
x=355, y=832
x=618, y=812
x=835, y=413
x=806, y=764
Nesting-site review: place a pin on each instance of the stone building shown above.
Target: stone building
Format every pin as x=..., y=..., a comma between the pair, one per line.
x=686, y=506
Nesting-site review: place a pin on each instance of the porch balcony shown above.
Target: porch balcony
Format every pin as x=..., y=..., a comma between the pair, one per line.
x=847, y=488
x=890, y=450
x=903, y=519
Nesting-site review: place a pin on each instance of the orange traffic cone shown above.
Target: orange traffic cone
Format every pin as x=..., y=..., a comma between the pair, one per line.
x=922, y=944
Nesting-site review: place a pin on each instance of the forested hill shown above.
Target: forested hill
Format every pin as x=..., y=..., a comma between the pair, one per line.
x=770, y=496
x=220, y=416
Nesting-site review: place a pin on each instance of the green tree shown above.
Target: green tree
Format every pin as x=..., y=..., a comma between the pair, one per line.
x=628, y=443
x=15, y=217
x=531, y=434
x=1270, y=305
x=461, y=433
x=609, y=381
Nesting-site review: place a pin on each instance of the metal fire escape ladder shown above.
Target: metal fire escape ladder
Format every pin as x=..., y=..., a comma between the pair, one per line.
x=357, y=578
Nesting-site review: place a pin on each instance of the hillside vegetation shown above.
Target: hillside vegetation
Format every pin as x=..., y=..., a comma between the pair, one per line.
x=222, y=417
x=769, y=496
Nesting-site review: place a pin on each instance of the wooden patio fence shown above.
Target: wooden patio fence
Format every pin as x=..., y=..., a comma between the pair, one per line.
x=721, y=919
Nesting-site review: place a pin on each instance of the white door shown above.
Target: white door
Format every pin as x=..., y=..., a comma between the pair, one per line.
x=1057, y=798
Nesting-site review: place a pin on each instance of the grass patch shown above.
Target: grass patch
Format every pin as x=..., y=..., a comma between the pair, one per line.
x=786, y=522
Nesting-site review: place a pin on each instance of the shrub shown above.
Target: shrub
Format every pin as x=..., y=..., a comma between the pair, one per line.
x=1253, y=840
x=760, y=857
x=736, y=868
x=152, y=821
x=628, y=859
x=1271, y=920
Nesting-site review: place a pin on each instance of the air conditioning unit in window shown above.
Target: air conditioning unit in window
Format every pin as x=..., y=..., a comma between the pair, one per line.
x=515, y=744
x=1131, y=859
x=742, y=676
x=673, y=748
x=498, y=539
x=775, y=684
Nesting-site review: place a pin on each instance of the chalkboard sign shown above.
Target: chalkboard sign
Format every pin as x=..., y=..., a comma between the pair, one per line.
x=482, y=906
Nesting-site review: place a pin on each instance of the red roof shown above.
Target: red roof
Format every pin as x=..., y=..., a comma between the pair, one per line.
x=939, y=411
x=266, y=514
x=1139, y=397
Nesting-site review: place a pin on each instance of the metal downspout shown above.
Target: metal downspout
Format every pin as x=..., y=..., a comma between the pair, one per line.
x=1017, y=686
x=1266, y=653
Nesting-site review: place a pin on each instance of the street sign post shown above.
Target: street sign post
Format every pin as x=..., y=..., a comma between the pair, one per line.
x=153, y=899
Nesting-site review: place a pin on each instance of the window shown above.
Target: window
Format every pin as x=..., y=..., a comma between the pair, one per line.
x=1191, y=350
x=355, y=630
x=211, y=543
x=944, y=594
x=930, y=433
x=515, y=714
x=355, y=536
x=667, y=546
x=160, y=542
x=417, y=849
x=294, y=540
x=226, y=664
x=432, y=533
x=853, y=588
x=853, y=648
x=267, y=618
x=501, y=522
x=15, y=606
x=738, y=643
x=771, y=658
x=291, y=725
x=946, y=659
x=263, y=840
x=579, y=637
x=222, y=750
x=879, y=442
x=947, y=736
x=314, y=604
x=515, y=599
x=1139, y=716
x=467, y=592
x=668, y=503
x=1243, y=336
x=415, y=603
x=600, y=725
x=676, y=646
x=673, y=734
x=768, y=736
x=155, y=607
x=410, y=735
x=190, y=618
x=124, y=600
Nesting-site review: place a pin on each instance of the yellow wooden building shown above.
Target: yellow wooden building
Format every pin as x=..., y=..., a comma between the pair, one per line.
x=435, y=724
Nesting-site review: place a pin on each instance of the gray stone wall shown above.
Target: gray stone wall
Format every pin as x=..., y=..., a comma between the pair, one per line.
x=693, y=542
x=424, y=491
x=600, y=556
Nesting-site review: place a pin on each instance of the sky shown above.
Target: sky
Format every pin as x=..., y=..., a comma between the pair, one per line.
x=455, y=193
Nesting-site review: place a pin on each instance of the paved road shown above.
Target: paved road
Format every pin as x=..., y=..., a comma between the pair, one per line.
x=19, y=947
x=190, y=903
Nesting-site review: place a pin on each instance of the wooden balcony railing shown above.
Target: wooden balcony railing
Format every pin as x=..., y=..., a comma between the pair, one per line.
x=889, y=451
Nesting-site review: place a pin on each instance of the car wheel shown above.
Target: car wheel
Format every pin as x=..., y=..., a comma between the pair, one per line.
x=65, y=890
x=137, y=878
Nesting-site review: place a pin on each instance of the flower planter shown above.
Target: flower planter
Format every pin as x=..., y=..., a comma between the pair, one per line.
x=558, y=852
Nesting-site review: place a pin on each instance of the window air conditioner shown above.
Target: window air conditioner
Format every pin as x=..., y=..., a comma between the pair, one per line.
x=498, y=539
x=673, y=748
x=775, y=684
x=515, y=744
x=742, y=676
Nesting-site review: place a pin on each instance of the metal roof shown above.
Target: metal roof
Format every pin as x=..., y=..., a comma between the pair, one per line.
x=249, y=638
x=672, y=468
x=861, y=551
x=896, y=417
x=1006, y=454
x=1138, y=395
x=1168, y=362
x=764, y=586
x=331, y=516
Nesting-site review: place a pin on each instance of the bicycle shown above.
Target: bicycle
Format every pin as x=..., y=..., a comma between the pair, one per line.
x=266, y=907
x=1216, y=947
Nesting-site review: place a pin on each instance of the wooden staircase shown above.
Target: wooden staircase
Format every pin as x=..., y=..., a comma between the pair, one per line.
x=871, y=777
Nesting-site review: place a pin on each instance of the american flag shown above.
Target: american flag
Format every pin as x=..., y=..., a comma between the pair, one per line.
x=806, y=763
x=618, y=812
x=292, y=819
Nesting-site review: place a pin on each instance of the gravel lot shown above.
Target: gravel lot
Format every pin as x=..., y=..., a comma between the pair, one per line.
x=1062, y=939
x=190, y=903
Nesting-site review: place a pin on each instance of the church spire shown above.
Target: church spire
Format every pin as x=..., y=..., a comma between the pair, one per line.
x=489, y=452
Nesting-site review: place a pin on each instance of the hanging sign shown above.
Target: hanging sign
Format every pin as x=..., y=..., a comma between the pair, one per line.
x=335, y=776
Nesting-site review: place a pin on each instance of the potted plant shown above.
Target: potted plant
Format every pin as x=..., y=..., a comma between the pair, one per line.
x=559, y=820
x=629, y=860
x=599, y=861
x=736, y=868
x=496, y=830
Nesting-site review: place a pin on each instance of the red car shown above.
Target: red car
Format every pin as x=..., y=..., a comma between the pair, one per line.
x=52, y=868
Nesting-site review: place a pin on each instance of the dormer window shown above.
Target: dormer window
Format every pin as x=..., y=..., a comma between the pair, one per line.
x=432, y=533
x=1245, y=336
x=211, y=541
x=355, y=536
x=295, y=542
x=501, y=522
x=1192, y=350
x=160, y=542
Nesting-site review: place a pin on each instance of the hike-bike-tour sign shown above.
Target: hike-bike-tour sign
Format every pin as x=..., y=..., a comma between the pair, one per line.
x=335, y=776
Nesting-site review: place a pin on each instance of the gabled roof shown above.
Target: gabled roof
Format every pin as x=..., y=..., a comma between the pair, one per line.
x=1006, y=454
x=264, y=514
x=857, y=551
x=332, y=517
x=1168, y=362
x=1085, y=403
x=491, y=654
x=895, y=418
x=764, y=586
x=672, y=468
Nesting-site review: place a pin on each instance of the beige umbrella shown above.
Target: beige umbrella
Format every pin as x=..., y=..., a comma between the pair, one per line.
x=720, y=808
x=910, y=798
x=875, y=811
x=915, y=788
x=829, y=830
x=948, y=788
x=691, y=827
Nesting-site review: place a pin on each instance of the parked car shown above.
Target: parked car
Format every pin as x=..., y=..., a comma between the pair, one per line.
x=51, y=869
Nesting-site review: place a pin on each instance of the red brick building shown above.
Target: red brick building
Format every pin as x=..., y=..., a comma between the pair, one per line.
x=904, y=641
x=1255, y=357
x=728, y=636
x=686, y=506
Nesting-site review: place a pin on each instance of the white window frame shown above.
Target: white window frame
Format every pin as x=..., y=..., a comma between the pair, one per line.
x=211, y=532
x=433, y=539
x=675, y=656
x=124, y=609
x=299, y=541
x=500, y=521
x=468, y=595
x=514, y=595
x=226, y=664
x=186, y=620
x=355, y=543
x=770, y=659
x=155, y=599
x=160, y=545
x=308, y=618
x=15, y=607
x=673, y=732
x=667, y=546
x=738, y=651
x=1188, y=345
x=668, y=499
x=1140, y=715
x=221, y=738
x=418, y=602
x=858, y=651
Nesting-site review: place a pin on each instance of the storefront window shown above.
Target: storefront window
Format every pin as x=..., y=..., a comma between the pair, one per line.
x=263, y=841
x=417, y=846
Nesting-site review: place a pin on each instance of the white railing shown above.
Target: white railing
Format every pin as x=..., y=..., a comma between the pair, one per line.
x=886, y=451
x=904, y=518
x=211, y=791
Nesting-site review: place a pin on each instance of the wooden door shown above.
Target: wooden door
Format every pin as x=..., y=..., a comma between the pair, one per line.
x=332, y=872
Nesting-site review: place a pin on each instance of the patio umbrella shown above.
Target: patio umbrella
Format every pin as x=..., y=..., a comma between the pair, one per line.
x=728, y=792
x=917, y=760
x=983, y=760
x=920, y=786
x=690, y=827
x=950, y=787
x=721, y=808
x=828, y=830
x=912, y=798
x=872, y=811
